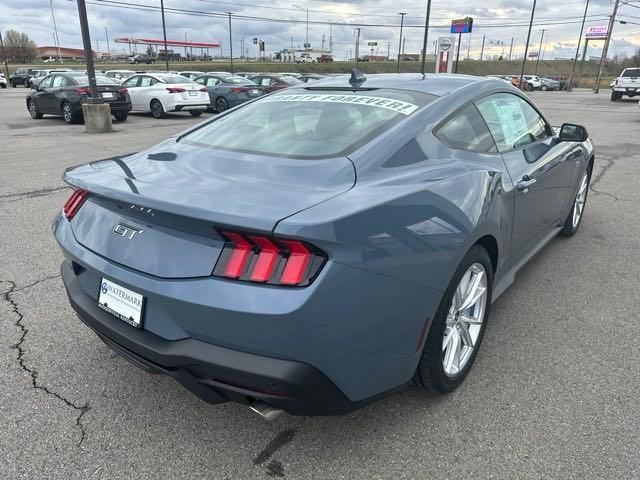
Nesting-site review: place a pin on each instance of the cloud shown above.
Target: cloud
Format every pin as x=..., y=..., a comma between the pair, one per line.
x=496, y=20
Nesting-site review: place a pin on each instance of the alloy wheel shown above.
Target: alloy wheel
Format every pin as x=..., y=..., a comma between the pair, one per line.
x=464, y=320
x=66, y=112
x=33, y=110
x=581, y=198
x=221, y=104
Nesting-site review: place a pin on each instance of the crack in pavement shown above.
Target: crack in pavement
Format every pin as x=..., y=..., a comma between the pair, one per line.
x=596, y=178
x=33, y=373
x=41, y=192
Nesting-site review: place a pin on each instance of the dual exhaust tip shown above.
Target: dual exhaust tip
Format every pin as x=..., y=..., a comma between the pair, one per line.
x=266, y=411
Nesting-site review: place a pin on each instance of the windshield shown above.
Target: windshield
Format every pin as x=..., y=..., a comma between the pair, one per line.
x=291, y=80
x=309, y=124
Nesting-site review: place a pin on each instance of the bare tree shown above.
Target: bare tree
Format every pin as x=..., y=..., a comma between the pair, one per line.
x=19, y=47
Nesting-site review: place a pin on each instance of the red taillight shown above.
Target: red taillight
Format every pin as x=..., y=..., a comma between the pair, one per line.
x=74, y=203
x=203, y=89
x=123, y=90
x=257, y=258
x=176, y=89
x=239, y=89
x=83, y=90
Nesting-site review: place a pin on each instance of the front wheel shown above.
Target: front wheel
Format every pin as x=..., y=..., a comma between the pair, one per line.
x=458, y=326
x=544, y=88
x=156, y=109
x=120, y=116
x=572, y=223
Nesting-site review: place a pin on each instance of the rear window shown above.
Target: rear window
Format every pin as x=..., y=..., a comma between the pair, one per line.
x=175, y=79
x=631, y=72
x=237, y=80
x=309, y=124
x=84, y=80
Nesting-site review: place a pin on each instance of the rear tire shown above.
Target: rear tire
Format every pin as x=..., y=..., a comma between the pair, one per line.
x=221, y=104
x=195, y=113
x=157, y=110
x=574, y=219
x=68, y=115
x=437, y=370
x=34, y=111
x=544, y=88
x=121, y=116
x=615, y=96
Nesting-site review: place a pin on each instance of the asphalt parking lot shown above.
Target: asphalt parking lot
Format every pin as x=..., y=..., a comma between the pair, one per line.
x=553, y=394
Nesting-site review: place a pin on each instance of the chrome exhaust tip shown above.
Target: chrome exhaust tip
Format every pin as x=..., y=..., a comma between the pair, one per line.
x=266, y=411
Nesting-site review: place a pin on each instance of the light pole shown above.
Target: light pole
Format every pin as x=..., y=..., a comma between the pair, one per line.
x=306, y=43
x=164, y=33
x=55, y=30
x=526, y=46
x=402, y=14
x=107, y=38
x=331, y=34
x=230, y=44
x=426, y=33
x=357, y=45
x=539, y=51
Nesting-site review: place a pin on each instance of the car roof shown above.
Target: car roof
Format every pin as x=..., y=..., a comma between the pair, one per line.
x=435, y=84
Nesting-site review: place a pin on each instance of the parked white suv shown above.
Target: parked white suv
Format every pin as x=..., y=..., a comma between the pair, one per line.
x=628, y=83
x=3, y=81
x=533, y=81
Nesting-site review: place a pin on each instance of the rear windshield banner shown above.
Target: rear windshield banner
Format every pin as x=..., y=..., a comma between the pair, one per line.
x=388, y=104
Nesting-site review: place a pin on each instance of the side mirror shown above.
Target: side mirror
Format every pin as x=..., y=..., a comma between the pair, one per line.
x=35, y=86
x=573, y=133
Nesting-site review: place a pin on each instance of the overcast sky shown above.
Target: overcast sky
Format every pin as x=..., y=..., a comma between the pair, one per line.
x=497, y=20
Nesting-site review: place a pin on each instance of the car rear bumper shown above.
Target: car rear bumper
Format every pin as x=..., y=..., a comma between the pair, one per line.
x=213, y=373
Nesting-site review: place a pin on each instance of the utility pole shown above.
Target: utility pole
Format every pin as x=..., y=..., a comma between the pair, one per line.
x=307, y=43
x=4, y=55
x=164, y=33
x=482, y=49
x=539, y=51
x=55, y=30
x=230, y=44
x=526, y=46
x=323, y=37
x=469, y=48
x=511, y=49
x=575, y=58
x=426, y=34
x=402, y=14
x=106, y=35
x=357, y=45
x=612, y=21
x=388, y=51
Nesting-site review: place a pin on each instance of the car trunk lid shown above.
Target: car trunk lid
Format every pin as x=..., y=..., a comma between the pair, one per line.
x=157, y=212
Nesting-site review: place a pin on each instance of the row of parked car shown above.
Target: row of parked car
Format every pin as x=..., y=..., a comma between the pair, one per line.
x=62, y=91
x=531, y=82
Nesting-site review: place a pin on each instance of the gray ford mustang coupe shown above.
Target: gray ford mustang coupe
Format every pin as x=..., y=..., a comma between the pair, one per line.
x=325, y=245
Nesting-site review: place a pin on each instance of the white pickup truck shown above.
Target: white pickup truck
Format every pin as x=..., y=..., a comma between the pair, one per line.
x=628, y=83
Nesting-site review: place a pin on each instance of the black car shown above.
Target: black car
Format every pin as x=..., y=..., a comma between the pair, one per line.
x=227, y=91
x=21, y=76
x=63, y=93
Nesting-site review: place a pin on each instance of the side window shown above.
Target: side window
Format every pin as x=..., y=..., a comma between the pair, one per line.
x=58, y=81
x=513, y=122
x=200, y=80
x=467, y=131
x=146, y=82
x=46, y=82
x=131, y=82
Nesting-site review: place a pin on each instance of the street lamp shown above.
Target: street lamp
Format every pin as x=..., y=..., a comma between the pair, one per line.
x=331, y=34
x=402, y=14
x=306, y=43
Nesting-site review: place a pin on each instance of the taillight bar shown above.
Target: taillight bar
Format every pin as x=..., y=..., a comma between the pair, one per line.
x=73, y=204
x=176, y=89
x=264, y=259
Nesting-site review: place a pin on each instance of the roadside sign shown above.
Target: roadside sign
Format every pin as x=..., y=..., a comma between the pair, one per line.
x=444, y=44
x=462, y=25
x=372, y=44
x=597, y=33
x=255, y=40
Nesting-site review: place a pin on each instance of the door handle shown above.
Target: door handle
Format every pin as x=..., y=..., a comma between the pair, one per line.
x=525, y=183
